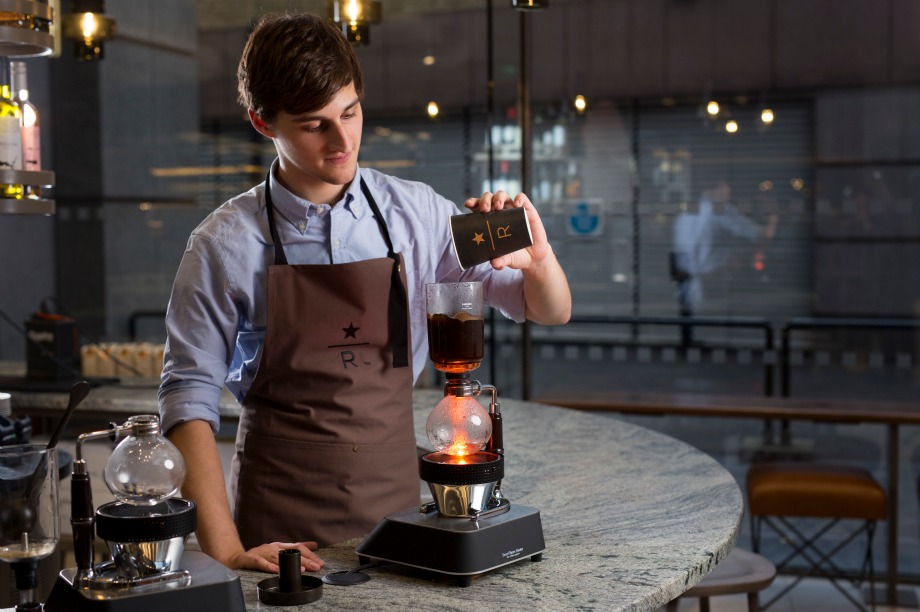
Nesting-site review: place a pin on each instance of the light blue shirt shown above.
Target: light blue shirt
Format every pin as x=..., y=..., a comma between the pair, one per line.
x=215, y=321
x=699, y=245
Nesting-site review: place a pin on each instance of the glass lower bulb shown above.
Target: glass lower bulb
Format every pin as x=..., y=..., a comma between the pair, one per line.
x=145, y=468
x=458, y=426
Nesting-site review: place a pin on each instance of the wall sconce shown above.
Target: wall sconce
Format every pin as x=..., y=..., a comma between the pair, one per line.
x=88, y=27
x=529, y=5
x=354, y=18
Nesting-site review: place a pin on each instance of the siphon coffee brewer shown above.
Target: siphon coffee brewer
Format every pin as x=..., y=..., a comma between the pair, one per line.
x=469, y=528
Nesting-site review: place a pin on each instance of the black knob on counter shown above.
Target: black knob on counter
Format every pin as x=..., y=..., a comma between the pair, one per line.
x=290, y=587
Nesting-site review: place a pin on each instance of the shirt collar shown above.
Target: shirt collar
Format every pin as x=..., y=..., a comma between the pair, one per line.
x=353, y=200
x=293, y=207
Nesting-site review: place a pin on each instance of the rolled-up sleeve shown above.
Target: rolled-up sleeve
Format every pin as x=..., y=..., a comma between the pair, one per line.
x=201, y=324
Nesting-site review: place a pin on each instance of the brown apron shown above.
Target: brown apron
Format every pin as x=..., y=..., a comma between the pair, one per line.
x=326, y=445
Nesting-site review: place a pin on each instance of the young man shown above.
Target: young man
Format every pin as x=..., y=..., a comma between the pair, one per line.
x=299, y=295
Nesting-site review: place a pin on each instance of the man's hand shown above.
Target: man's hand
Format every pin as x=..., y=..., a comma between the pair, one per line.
x=216, y=532
x=265, y=557
x=524, y=258
x=547, y=298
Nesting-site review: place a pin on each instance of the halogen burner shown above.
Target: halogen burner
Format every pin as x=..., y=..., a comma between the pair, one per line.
x=462, y=486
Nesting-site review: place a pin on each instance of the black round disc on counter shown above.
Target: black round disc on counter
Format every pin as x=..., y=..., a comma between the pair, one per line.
x=346, y=578
x=478, y=468
x=270, y=592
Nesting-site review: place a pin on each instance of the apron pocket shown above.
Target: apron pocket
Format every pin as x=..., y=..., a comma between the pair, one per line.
x=292, y=490
x=385, y=480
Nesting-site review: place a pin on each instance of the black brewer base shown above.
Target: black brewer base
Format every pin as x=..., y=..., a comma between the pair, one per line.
x=213, y=587
x=456, y=546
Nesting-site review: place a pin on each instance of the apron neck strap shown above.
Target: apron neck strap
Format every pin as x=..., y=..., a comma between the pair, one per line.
x=398, y=302
x=383, y=228
x=280, y=258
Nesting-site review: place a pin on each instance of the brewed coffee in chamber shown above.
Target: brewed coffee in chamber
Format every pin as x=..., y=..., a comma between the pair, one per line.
x=455, y=344
x=455, y=326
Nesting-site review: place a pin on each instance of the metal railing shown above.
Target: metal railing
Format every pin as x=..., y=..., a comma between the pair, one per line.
x=830, y=324
x=689, y=323
x=783, y=360
x=685, y=325
x=138, y=315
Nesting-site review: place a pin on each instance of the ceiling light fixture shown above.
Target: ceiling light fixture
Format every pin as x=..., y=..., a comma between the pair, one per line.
x=529, y=5
x=89, y=28
x=354, y=18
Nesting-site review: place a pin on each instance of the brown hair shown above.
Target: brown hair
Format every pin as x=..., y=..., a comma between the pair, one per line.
x=296, y=63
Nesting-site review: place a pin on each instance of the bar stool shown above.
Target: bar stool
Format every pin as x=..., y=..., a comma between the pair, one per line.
x=742, y=571
x=780, y=490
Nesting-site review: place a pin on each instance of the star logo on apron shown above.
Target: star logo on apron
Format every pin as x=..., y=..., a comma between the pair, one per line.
x=345, y=349
x=351, y=331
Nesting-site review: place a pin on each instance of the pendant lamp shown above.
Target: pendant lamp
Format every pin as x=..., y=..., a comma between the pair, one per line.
x=89, y=28
x=529, y=5
x=354, y=18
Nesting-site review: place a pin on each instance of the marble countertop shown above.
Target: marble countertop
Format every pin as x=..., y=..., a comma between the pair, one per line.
x=631, y=518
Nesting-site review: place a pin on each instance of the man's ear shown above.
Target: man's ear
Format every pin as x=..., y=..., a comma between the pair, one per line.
x=260, y=125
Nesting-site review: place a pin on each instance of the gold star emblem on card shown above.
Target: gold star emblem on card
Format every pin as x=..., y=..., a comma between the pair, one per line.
x=478, y=239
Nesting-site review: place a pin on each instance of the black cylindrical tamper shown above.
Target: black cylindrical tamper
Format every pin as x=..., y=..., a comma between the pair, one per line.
x=289, y=571
x=290, y=587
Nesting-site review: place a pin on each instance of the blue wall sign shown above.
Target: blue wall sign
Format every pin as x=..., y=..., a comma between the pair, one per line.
x=586, y=220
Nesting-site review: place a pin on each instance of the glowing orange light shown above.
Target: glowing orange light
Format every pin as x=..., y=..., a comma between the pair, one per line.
x=758, y=262
x=458, y=426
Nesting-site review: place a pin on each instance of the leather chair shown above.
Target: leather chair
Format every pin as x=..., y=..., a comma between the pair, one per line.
x=819, y=497
x=742, y=571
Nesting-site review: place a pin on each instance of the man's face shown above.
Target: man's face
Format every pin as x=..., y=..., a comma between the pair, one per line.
x=318, y=151
x=722, y=192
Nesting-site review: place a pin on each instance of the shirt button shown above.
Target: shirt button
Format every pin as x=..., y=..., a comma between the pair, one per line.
x=302, y=226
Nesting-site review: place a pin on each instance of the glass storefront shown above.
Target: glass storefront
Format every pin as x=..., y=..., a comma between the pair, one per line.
x=796, y=199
